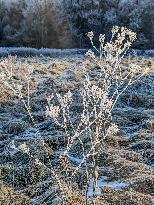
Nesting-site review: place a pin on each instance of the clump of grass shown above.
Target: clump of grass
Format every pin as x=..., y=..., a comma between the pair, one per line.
x=125, y=197
x=8, y=196
x=15, y=127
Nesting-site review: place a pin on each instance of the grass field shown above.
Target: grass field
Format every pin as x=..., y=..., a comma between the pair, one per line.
x=126, y=161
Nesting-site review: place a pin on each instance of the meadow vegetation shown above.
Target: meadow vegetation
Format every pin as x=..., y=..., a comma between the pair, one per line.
x=78, y=130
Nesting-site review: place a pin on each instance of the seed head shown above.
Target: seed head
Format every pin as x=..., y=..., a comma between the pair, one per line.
x=90, y=35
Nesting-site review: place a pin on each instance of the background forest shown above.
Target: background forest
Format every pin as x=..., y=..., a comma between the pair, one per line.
x=64, y=23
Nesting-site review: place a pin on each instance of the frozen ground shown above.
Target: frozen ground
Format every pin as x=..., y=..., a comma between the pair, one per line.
x=23, y=51
x=125, y=164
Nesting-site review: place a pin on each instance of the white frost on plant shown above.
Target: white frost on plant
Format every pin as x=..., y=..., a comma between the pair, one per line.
x=24, y=148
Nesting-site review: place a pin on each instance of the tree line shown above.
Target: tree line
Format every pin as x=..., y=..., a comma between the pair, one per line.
x=64, y=23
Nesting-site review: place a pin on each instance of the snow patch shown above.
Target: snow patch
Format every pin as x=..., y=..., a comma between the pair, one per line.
x=118, y=185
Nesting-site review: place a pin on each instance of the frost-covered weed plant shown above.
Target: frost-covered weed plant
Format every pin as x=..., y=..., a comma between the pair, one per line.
x=95, y=122
x=98, y=101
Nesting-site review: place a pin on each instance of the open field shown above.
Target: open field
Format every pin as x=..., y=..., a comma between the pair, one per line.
x=125, y=172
